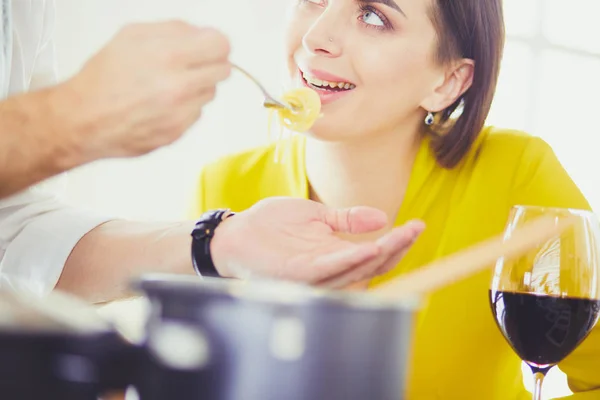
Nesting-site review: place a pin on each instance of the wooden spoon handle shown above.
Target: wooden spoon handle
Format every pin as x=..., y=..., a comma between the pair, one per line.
x=464, y=263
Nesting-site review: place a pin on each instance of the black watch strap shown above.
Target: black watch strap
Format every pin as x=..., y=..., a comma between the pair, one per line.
x=201, y=236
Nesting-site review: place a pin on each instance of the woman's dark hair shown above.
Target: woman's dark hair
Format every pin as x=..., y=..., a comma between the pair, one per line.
x=472, y=29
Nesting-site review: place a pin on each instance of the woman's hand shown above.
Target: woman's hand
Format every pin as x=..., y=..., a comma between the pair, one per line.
x=295, y=239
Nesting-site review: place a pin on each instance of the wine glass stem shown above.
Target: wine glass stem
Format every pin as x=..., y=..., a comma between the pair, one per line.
x=538, y=378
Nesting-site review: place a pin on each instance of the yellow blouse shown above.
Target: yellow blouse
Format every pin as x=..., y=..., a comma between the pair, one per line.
x=459, y=353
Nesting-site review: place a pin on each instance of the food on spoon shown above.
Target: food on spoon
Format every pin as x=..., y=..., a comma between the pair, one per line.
x=306, y=108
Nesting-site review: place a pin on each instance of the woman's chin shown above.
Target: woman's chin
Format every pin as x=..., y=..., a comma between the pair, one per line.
x=328, y=131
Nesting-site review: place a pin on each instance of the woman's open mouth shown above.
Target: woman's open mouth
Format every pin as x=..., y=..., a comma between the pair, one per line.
x=320, y=84
x=328, y=90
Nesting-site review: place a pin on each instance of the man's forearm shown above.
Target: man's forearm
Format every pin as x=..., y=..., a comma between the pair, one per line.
x=35, y=143
x=105, y=261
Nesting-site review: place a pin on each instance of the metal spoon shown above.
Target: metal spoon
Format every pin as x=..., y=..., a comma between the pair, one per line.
x=270, y=101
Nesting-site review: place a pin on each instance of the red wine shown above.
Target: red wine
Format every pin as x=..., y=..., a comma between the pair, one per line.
x=541, y=329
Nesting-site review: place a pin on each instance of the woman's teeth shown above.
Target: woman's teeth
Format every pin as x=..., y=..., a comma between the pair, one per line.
x=322, y=84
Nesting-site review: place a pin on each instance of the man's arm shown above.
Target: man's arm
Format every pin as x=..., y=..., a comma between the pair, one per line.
x=106, y=260
x=37, y=235
x=33, y=145
x=28, y=140
x=256, y=243
x=129, y=99
x=45, y=244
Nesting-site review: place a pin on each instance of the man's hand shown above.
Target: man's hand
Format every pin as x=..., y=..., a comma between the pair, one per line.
x=295, y=239
x=143, y=90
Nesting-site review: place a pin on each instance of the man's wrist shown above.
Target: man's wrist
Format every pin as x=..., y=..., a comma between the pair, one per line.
x=219, y=248
x=62, y=110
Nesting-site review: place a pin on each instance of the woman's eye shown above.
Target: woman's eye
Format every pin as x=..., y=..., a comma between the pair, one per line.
x=371, y=18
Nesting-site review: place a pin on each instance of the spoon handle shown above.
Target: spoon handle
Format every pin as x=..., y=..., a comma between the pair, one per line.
x=270, y=101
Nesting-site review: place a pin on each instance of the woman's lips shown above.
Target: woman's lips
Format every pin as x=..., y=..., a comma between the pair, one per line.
x=327, y=95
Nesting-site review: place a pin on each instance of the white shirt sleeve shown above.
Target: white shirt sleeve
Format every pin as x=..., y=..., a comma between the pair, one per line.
x=37, y=231
x=37, y=235
x=33, y=62
x=44, y=71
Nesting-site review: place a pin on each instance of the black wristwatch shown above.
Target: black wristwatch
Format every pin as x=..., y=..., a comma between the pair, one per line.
x=201, y=237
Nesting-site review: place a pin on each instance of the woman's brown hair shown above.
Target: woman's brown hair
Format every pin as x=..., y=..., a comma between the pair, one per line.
x=472, y=29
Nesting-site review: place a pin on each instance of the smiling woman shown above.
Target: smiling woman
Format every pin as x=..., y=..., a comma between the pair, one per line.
x=406, y=87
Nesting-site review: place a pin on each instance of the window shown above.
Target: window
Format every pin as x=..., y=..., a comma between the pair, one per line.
x=550, y=81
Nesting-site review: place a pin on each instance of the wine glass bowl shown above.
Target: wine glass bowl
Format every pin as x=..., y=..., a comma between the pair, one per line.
x=548, y=300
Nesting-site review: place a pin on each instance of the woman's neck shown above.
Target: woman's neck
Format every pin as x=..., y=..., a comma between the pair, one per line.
x=372, y=171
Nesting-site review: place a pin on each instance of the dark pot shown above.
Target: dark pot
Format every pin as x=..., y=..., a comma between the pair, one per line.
x=234, y=340
x=57, y=348
x=210, y=339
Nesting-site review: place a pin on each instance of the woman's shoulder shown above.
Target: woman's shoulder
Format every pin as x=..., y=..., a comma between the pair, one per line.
x=508, y=147
x=494, y=140
x=531, y=167
x=506, y=157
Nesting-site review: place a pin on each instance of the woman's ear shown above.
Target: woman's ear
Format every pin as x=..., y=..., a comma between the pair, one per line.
x=456, y=81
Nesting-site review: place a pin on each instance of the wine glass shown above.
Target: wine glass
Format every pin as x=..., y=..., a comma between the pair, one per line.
x=547, y=301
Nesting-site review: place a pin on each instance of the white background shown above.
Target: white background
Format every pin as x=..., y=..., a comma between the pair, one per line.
x=550, y=86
